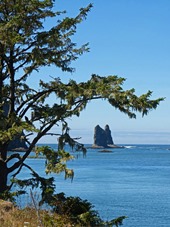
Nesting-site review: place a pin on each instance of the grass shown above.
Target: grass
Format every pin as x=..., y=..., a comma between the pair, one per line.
x=27, y=217
x=66, y=212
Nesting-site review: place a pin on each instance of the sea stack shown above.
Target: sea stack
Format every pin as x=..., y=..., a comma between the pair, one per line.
x=109, y=139
x=102, y=137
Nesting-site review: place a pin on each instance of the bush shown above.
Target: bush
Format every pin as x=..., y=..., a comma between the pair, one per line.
x=81, y=212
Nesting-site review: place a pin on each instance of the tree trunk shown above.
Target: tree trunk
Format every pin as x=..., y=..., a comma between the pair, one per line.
x=3, y=176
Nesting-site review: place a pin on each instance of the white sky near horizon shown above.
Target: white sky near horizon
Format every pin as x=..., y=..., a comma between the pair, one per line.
x=131, y=39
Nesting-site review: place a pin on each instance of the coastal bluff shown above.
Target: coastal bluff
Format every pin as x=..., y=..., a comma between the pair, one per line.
x=103, y=138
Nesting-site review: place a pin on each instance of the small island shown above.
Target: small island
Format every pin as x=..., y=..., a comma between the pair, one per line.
x=103, y=139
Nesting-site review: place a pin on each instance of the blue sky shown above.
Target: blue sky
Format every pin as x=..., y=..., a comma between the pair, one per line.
x=131, y=39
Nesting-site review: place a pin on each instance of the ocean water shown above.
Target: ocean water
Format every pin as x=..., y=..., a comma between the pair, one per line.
x=134, y=181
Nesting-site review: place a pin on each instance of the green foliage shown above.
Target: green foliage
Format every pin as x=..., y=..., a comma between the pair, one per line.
x=47, y=186
x=71, y=210
x=26, y=46
x=10, y=196
x=117, y=222
x=28, y=216
x=80, y=211
x=55, y=161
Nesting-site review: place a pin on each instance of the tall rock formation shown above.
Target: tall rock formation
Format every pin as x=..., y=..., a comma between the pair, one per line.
x=108, y=135
x=102, y=137
x=99, y=137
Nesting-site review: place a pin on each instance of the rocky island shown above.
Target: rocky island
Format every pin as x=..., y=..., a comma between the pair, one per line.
x=103, y=138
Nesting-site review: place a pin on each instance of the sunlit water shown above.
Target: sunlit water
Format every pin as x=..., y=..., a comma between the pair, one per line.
x=134, y=182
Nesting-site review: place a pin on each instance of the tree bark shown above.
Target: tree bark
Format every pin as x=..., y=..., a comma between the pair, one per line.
x=3, y=176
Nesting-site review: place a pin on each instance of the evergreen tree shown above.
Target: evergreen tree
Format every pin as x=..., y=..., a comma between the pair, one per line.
x=25, y=48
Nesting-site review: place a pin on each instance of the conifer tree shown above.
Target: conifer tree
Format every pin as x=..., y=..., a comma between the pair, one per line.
x=26, y=46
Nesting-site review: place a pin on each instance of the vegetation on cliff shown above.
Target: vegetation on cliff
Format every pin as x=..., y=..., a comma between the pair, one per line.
x=67, y=211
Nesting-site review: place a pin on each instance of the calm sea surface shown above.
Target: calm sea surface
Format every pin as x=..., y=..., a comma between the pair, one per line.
x=134, y=182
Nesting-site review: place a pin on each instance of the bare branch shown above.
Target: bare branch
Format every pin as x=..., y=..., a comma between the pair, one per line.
x=16, y=155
